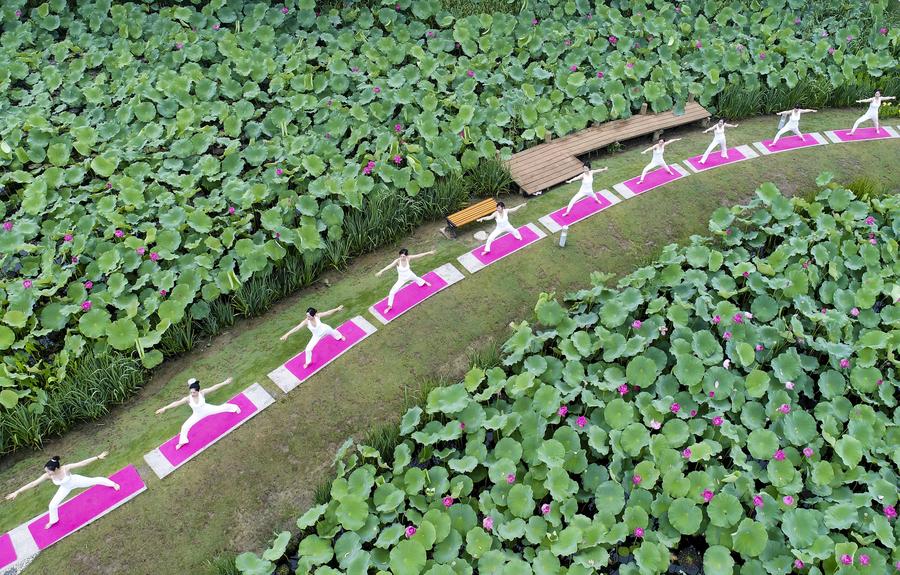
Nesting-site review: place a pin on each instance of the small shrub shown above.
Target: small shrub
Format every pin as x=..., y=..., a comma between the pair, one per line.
x=489, y=179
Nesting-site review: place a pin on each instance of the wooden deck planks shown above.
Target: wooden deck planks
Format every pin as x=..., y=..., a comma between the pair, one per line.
x=548, y=164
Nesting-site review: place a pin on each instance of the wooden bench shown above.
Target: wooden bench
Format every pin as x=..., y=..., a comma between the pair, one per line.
x=546, y=165
x=469, y=214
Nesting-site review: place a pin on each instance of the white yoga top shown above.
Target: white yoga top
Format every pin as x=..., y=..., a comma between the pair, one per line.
x=195, y=405
x=319, y=329
x=874, y=105
x=503, y=217
x=587, y=181
x=794, y=118
x=402, y=270
x=658, y=153
x=718, y=132
x=63, y=481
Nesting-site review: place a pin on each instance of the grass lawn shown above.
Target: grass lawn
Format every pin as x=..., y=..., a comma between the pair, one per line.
x=259, y=479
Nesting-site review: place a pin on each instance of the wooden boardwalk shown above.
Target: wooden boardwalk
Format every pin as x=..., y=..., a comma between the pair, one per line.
x=546, y=165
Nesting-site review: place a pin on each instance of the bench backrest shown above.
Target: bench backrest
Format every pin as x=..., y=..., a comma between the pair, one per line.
x=472, y=213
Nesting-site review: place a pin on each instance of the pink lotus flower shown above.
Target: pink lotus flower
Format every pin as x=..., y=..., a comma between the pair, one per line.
x=18, y=13
x=712, y=393
x=562, y=411
x=376, y=89
x=717, y=421
x=154, y=256
x=845, y=363
x=757, y=501
x=163, y=292
x=410, y=531
x=779, y=455
x=629, y=65
x=613, y=40
x=573, y=68
x=623, y=389
x=284, y=10
x=26, y=284
x=638, y=532
x=655, y=424
x=762, y=56
x=8, y=226
x=447, y=501
x=108, y=186
x=581, y=421
x=824, y=34
x=675, y=408
x=879, y=382
x=759, y=347
x=831, y=50
x=863, y=559
x=636, y=324
x=398, y=127
x=693, y=412
x=488, y=523
x=686, y=453
x=850, y=37
x=796, y=20
x=67, y=238
x=847, y=559
x=567, y=42
x=534, y=21
x=545, y=508
x=470, y=73
x=727, y=335
x=788, y=500
x=883, y=31
x=785, y=408
x=279, y=171
x=716, y=319
x=179, y=45
x=140, y=251
x=873, y=241
x=118, y=233
x=88, y=284
x=354, y=69
x=511, y=478
x=636, y=479
x=808, y=451
x=738, y=318
x=277, y=235
x=74, y=259
x=798, y=564
x=230, y=210
x=216, y=27
x=746, y=274
x=398, y=160
x=86, y=305
x=707, y=495
x=890, y=512
x=599, y=74
x=870, y=220
x=789, y=384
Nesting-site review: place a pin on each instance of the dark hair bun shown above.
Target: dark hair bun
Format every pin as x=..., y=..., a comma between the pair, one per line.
x=311, y=311
x=55, y=458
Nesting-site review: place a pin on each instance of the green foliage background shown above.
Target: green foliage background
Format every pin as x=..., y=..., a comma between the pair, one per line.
x=223, y=137
x=735, y=401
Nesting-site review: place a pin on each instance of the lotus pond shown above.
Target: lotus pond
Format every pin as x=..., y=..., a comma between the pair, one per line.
x=731, y=406
x=154, y=160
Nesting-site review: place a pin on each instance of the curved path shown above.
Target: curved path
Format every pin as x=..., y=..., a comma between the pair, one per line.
x=240, y=441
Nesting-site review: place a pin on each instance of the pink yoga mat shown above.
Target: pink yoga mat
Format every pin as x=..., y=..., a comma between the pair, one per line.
x=327, y=349
x=716, y=159
x=862, y=134
x=7, y=551
x=85, y=507
x=207, y=431
x=408, y=296
x=654, y=179
x=791, y=143
x=583, y=208
x=505, y=245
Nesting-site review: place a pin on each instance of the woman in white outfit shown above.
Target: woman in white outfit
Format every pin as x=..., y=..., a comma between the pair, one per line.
x=501, y=215
x=405, y=275
x=793, y=123
x=196, y=399
x=872, y=112
x=657, y=161
x=587, y=186
x=317, y=327
x=718, y=139
x=67, y=482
